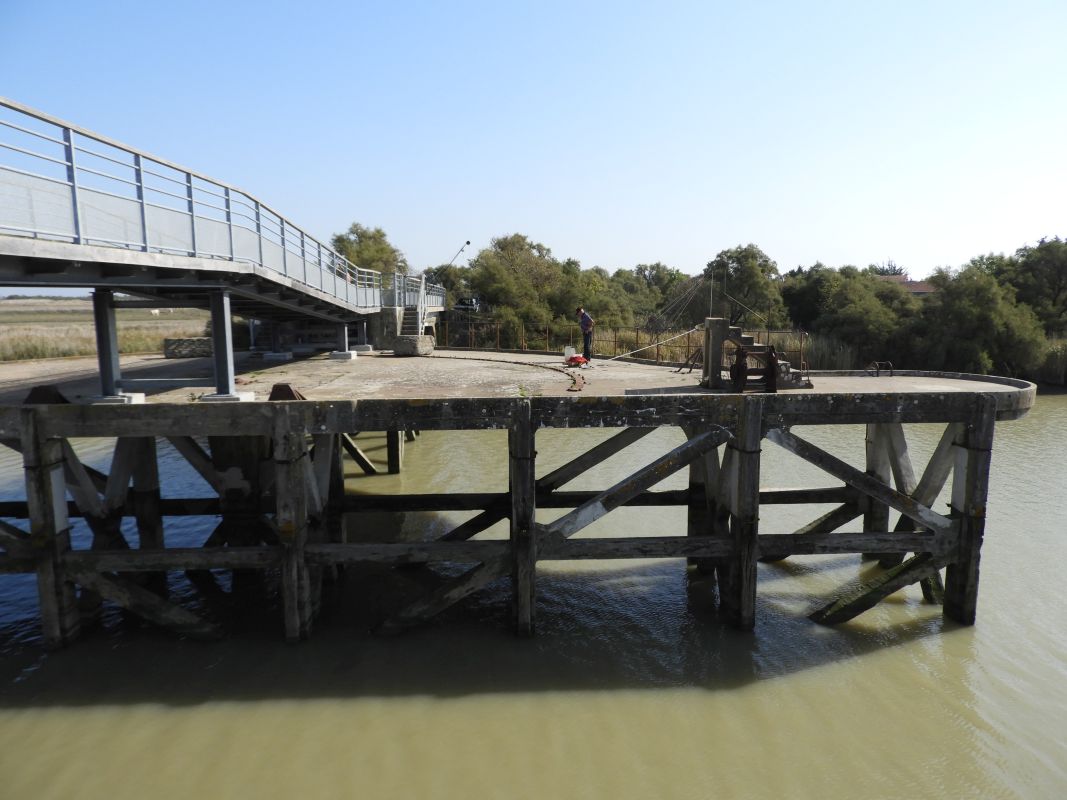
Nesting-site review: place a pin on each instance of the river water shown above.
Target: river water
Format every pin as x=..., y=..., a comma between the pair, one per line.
x=631, y=687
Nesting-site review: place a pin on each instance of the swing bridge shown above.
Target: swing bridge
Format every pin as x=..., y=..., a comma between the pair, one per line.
x=80, y=210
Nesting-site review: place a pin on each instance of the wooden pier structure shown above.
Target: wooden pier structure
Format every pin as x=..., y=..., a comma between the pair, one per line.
x=276, y=472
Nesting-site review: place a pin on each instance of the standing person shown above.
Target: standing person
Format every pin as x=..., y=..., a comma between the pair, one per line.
x=585, y=322
x=771, y=375
x=739, y=371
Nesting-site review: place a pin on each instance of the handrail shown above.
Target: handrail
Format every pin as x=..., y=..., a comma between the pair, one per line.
x=91, y=189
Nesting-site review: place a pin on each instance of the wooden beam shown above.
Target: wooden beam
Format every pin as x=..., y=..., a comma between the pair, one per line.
x=737, y=594
x=521, y=455
x=123, y=462
x=970, y=486
x=148, y=605
x=15, y=541
x=590, y=458
x=79, y=484
x=291, y=520
x=191, y=451
x=610, y=499
x=43, y=462
x=406, y=552
x=867, y=596
x=876, y=512
x=358, y=455
x=833, y=543
x=639, y=547
x=828, y=522
x=394, y=448
x=448, y=594
x=172, y=559
x=864, y=483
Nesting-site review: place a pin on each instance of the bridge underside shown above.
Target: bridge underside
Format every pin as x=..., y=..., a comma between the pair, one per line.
x=175, y=281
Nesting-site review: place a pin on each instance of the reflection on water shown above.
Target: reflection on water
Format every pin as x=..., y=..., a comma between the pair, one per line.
x=630, y=688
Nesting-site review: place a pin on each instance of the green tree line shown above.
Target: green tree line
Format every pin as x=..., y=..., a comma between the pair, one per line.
x=1003, y=314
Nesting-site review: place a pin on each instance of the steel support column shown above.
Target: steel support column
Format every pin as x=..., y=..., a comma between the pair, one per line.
x=222, y=342
x=107, y=341
x=342, y=338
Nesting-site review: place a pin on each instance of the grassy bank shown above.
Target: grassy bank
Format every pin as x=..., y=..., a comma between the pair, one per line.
x=60, y=327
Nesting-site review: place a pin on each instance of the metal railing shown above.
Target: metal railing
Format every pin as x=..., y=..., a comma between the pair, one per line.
x=64, y=183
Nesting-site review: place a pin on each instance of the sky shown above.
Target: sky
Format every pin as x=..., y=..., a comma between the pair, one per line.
x=618, y=133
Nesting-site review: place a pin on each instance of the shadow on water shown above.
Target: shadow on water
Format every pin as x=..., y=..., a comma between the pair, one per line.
x=645, y=626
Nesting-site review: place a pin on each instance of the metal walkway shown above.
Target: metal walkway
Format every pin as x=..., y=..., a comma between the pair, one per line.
x=80, y=210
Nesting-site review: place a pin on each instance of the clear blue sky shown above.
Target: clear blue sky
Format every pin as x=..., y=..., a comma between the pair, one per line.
x=615, y=133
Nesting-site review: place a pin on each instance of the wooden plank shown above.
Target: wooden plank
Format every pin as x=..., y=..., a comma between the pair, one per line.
x=521, y=455
x=172, y=559
x=899, y=459
x=122, y=467
x=80, y=485
x=43, y=463
x=638, y=547
x=867, y=596
x=590, y=458
x=358, y=455
x=864, y=483
x=148, y=605
x=450, y=593
x=834, y=543
x=827, y=523
x=15, y=566
x=322, y=462
x=15, y=541
x=701, y=501
x=617, y=495
x=324, y=554
x=970, y=486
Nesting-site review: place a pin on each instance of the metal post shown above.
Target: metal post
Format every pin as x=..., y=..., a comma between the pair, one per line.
x=342, y=338
x=72, y=179
x=192, y=209
x=229, y=221
x=259, y=233
x=222, y=343
x=138, y=175
x=285, y=254
x=107, y=342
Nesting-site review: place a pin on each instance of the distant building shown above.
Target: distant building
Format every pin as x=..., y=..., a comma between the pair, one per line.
x=917, y=288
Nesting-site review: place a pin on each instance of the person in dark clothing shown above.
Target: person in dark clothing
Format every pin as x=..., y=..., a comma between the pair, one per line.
x=739, y=371
x=585, y=322
x=770, y=375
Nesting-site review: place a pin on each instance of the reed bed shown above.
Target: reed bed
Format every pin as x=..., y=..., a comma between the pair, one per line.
x=26, y=341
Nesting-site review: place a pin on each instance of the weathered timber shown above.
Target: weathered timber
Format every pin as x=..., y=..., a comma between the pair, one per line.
x=859, y=480
x=394, y=451
x=43, y=462
x=291, y=519
x=173, y=559
x=867, y=596
x=828, y=522
x=407, y=552
x=799, y=544
x=617, y=495
x=191, y=451
x=595, y=455
x=148, y=605
x=448, y=594
x=737, y=593
x=358, y=455
x=970, y=484
x=697, y=547
x=15, y=541
x=523, y=533
x=876, y=512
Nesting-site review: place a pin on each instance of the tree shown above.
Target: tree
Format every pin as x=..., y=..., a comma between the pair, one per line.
x=974, y=324
x=888, y=268
x=369, y=248
x=751, y=291
x=1039, y=277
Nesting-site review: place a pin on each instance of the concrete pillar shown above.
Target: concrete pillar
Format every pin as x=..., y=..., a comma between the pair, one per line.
x=342, y=353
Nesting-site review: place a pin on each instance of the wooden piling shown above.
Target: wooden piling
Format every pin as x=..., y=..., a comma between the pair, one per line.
x=523, y=489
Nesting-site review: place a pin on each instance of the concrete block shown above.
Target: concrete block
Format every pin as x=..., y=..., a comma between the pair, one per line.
x=277, y=356
x=363, y=348
x=342, y=355
x=120, y=399
x=413, y=345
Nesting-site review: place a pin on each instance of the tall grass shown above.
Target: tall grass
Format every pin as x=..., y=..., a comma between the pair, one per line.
x=1053, y=369
x=29, y=341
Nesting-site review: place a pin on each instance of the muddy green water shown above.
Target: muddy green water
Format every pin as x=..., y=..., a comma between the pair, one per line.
x=631, y=689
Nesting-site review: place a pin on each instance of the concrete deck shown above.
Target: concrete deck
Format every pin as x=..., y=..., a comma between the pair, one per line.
x=448, y=374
